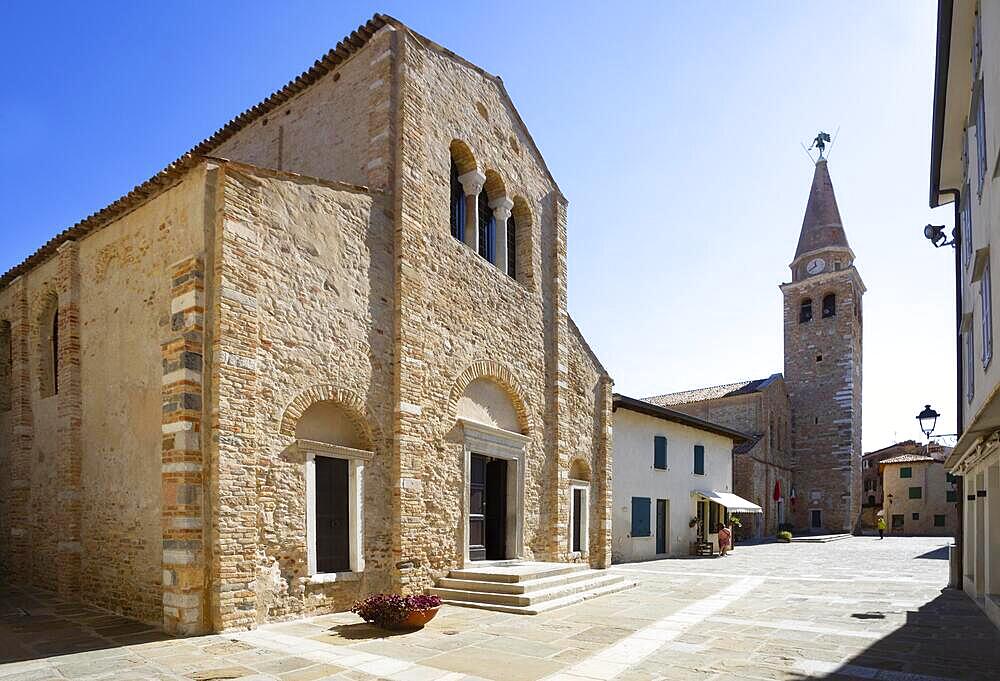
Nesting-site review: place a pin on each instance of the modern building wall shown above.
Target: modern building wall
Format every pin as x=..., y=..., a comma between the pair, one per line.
x=929, y=515
x=635, y=476
x=760, y=464
x=965, y=144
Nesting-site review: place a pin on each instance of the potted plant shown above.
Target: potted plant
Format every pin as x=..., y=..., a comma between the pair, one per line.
x=391, y=611
x=785, y=536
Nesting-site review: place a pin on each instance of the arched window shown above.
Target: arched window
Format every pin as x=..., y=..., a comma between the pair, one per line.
x=6, y=366
x=487, y=228
x=829, y=305
x=48, y=332
x=512, y=247
x=806, y=311
x=457, y=204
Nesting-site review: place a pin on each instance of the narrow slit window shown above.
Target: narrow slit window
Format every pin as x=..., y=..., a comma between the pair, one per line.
x=457, y=205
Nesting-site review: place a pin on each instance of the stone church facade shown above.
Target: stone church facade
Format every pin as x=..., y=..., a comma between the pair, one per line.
x=804, y=466
x=355, y=290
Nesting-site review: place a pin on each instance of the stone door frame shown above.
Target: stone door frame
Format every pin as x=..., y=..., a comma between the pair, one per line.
x=499, y=444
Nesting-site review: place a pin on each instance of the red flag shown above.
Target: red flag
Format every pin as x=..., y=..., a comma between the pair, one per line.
x=777, y=490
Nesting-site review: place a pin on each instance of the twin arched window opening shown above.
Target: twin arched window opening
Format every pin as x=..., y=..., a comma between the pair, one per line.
x=498, y=246
x=829, y=308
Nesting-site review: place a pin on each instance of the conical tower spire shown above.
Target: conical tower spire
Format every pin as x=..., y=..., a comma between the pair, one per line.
x=821, y=226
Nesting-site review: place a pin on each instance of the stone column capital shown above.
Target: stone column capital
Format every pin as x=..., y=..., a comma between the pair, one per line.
x=501, y=208
x=472, y=182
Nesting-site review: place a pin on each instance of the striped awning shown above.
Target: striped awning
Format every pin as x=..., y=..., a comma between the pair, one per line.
x=733, y=503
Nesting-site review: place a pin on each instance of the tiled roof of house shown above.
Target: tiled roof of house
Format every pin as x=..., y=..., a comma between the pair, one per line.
x=908, y=458
x=713, y=392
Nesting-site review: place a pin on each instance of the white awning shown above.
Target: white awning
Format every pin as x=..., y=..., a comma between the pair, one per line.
x=732, y=502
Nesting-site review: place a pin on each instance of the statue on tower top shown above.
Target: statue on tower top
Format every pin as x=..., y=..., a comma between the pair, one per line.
x=820, y=143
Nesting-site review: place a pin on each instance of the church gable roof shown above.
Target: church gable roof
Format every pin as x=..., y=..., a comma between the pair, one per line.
x=821, y=225
x=712, y=392
x=345, y=49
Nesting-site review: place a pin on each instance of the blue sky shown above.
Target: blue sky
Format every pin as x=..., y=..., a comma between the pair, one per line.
x=673, y=128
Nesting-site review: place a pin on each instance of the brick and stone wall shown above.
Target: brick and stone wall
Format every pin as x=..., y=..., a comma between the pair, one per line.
x=216, y=312
x=823, y=376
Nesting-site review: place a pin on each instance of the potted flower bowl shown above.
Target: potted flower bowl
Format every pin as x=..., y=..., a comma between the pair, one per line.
x=391, y=611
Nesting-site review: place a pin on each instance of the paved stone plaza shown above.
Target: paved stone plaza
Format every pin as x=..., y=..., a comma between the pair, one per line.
x=857, y=608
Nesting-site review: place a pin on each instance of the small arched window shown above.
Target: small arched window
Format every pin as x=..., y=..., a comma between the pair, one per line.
x=487, y=228
x=6, y=366
x=512, y=247
x=806, y=311
x=48, y=348
x=829, y=305
x=457, y=204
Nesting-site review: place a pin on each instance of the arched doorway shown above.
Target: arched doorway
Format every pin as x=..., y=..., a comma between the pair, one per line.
x=579, y=508
x=494, y=445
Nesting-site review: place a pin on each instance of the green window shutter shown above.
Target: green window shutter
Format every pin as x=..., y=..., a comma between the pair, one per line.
x=906, y=472
x=660, y=452
x=640, y=516
x=699, y=459
x=939, y=521
x=952, y=495
x=916, y=492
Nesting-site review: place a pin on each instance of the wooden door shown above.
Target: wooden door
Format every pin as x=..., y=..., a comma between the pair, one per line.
x=333, y=545
x=496, y=509
x=477, y=508
x=578, y=512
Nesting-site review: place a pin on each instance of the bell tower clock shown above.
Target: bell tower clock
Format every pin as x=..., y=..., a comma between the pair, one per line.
x=822, y=335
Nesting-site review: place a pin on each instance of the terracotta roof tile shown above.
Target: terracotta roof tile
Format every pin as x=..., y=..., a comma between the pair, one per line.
x=711, y=393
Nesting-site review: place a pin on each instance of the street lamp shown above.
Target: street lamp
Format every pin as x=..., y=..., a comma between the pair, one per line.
x=935, y=234
x=928, y=420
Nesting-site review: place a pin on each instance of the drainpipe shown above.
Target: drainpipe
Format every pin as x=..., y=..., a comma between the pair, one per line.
x=959, y=379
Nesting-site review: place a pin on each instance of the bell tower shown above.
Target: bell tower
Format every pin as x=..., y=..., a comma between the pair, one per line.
x=823, y=366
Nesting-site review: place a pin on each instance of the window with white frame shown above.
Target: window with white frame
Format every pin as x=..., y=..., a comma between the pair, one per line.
x=970, y=366
x=979, y=105
x=966, y=232
x=986, y=300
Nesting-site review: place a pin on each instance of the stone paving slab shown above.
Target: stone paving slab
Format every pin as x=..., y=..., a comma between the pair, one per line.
x=857, y=608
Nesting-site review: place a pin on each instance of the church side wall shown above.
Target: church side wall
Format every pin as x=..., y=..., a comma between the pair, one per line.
x=89, y=507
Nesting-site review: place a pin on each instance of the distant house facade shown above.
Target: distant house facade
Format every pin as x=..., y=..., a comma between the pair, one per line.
x=672, y=481
x=914, y=493
x=965, y=157
x=762, y=471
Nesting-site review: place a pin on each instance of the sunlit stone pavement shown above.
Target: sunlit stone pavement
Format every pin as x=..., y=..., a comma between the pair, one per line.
x=857, y=608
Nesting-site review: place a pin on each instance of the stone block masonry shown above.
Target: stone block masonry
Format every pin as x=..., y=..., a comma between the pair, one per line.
x=183, y=472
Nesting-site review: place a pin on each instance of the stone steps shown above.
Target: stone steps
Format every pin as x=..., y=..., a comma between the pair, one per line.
x=527, y=588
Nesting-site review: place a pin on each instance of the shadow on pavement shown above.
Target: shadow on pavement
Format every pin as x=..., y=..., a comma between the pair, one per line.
x=936, y=554
x=947, y=638
x=37, y=624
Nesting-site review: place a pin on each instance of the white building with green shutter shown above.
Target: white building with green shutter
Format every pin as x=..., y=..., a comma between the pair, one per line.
x=673, y=481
